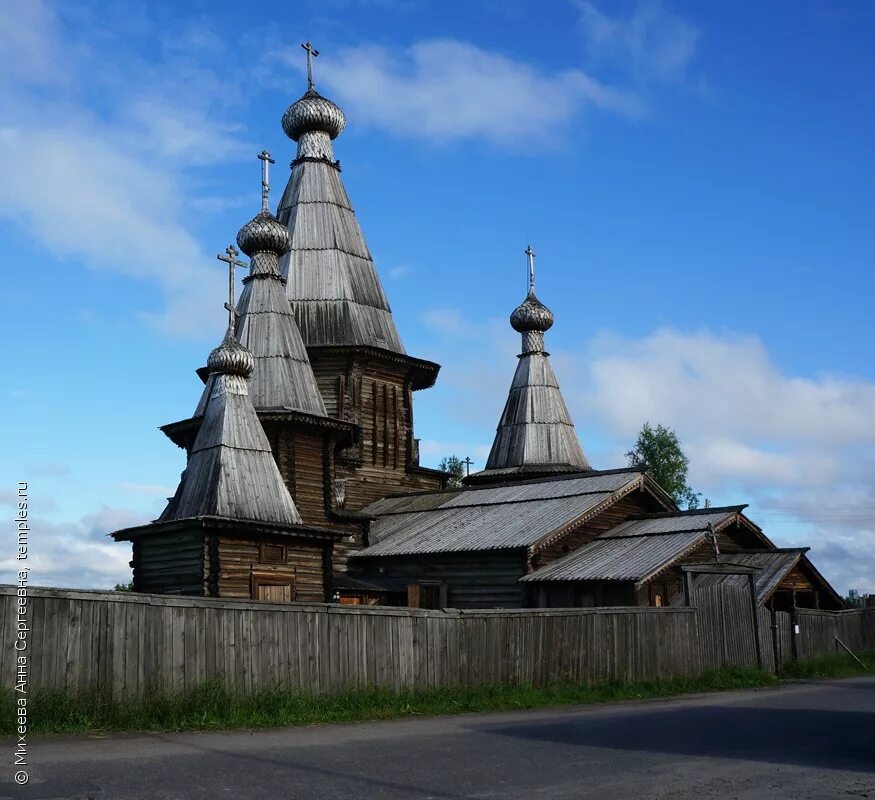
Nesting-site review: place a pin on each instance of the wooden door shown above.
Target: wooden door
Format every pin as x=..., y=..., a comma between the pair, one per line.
x=275, y=592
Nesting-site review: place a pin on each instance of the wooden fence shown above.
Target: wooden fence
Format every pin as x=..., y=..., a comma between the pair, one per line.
x=120, y=643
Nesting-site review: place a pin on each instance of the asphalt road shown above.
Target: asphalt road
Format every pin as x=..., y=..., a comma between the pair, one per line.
x=808, y=740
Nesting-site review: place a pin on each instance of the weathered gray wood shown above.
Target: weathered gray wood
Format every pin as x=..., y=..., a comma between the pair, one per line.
x=130, y=644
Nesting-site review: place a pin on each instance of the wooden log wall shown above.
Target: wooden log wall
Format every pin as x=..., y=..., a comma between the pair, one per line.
x=301, y=563
x=120, y=643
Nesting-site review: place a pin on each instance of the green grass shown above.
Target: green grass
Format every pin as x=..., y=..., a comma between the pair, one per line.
x=830, y=666
x=211, y=706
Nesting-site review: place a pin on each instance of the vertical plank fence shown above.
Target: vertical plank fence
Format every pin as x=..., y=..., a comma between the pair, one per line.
x=127, y=644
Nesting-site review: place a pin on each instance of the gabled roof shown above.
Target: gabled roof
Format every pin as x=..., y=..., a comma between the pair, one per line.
x=231, y=471
x=331, y=281
x=620, y=559
x=519, y=515
x=772, y=567
x=676, y=522
x=637, y=549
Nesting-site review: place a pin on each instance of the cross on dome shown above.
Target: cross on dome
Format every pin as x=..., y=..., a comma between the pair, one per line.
x=266, y=161
x=230, y=258
x=531, y=254
x=312, y=53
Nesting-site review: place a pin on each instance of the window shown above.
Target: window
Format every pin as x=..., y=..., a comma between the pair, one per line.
x=427, y=594
x=273, y=553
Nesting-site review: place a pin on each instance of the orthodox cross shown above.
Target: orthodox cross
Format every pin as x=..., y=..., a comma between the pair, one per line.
x=311, y=54
x=266, y=161
x=232, y=261
x=531, y=254
x=467, y=462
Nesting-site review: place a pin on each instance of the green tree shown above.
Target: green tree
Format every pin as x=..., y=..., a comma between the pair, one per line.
x=124, y=587
x=456, y=467
x=658, y=449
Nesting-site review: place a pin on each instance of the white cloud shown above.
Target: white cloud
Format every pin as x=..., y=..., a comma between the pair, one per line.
x=728, y=385
x=799, y=449
x=399, y=271
x=108, y=188
x=445, y=89
x=653, y=43
x=77, y=554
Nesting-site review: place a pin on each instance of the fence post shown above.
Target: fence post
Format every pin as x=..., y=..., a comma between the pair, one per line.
x=756, y=620
x=776, y=646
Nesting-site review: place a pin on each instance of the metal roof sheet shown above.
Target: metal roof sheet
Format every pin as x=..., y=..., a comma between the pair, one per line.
x=773, y=566
x=614, y=559
x=487, y=518
x=682, y=521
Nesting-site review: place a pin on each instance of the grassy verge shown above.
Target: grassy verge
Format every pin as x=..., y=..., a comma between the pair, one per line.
x=214, y=707
x=840, y=665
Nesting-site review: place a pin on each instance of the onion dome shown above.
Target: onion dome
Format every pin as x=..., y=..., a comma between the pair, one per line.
x=231, y=358
x=531, y=315
x=264, y=233
x=313, y=112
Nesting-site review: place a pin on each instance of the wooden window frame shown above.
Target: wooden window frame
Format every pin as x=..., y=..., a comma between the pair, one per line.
x=414, y=594
x=261, y=556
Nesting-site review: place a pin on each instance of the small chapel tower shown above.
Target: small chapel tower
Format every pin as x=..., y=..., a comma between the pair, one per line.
x=535, y=435
x=232, y=528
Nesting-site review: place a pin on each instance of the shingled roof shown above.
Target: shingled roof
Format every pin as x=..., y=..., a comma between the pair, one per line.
x=331, y=281
x=535, y=434
x=282, y=377
x=231, y=472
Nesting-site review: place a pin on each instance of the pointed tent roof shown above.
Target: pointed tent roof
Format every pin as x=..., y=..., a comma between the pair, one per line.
x=231, y=471
x=282, y=377
x=331, y=280
x=535, y=434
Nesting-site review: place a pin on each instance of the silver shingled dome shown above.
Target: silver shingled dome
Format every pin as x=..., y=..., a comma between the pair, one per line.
x=231, y=358
x=313, y=112
x=264, y=233
x=531, y=315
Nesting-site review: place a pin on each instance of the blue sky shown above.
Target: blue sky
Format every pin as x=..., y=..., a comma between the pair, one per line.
x=696, y=179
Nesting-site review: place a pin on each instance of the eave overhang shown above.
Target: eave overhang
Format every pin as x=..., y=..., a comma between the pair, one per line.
x=183, y=432
x=242, y=527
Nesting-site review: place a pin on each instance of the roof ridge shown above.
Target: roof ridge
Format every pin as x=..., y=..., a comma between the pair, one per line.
x=605, y=536
x=516, y=501
x=692, y=512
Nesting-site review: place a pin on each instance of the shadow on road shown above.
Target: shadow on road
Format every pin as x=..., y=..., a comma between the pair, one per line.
x=806, y=737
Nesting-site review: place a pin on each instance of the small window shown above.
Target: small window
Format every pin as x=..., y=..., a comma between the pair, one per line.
x=427, y=594
x=273, y=553
x=430, y=595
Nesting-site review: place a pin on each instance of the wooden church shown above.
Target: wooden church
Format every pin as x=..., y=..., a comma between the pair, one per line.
x=303, y=480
